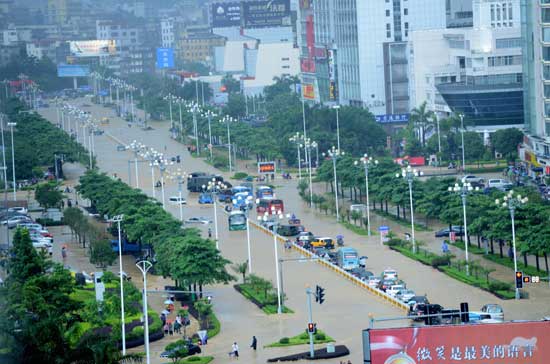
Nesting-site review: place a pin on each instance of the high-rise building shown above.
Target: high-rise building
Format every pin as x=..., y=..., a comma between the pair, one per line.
x=535, y=27
x=474, y=71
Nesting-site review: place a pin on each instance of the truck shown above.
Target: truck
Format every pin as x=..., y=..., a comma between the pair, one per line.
x=196, y=182
x=127, y=247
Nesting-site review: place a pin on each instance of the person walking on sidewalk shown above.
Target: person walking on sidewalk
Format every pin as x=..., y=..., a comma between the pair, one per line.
x=254, y=343
x=235, y=350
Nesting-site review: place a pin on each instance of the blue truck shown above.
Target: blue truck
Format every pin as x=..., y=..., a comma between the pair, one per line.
x=127, y=247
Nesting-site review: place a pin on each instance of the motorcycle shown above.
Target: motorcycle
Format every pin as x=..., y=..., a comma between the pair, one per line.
x=340, y=240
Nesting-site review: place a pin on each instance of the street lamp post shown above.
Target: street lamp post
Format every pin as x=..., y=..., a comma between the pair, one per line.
x=409, y=175
x=462, y=136
x=297, y=139
x=12, y=125
x=118, y=219
x=308, y=144
x=209, y=114
x=136, y=148
x=277, y=216
x=169, y=98
x=151, y=156
x=247, y=205
x=162, y=163
x=334, y=153
x=179, y=176
x=337, y=108
x=368, y=163
x=464, y=190
x=512, y=202
x=194, y=108
x=144, y=267
x=227, y=120
x=214, y=187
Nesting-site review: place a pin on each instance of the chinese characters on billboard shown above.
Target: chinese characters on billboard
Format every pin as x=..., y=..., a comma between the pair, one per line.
x=308, y=91
x=507, y=343
x=266, y=167
x=266, y=13
x=226, y=15
x=92, y=48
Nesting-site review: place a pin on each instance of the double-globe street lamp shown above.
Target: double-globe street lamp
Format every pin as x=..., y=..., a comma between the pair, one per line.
x=136, y=147
x=208, y=114
x=297, y=139
x=512, y=202
x=367, y=163
x=162, y=164
x=144, y=266
x=118, y=219
x=334, y=153
x=214, y=187
x=309, y=145
x=246, y=206
x=194, y=108
x=409, y=174
x=179, y=176
x=276, y=217
x=464, y=190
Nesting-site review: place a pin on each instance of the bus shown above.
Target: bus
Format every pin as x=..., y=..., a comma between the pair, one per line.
x=242, y=200
x=348, y=258
x=267, y=205
x=241, y=189
x=264, y=192
x=197, y=180
x=237, y=220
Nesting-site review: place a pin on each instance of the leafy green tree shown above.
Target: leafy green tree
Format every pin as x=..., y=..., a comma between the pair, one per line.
x=231, y=84
x=505, y=141
x=101, y=253
x=205, y=310
x=97, y=349
x=25, y=261
x=241, y=269
x=48, y=195
x=422, y=119
x=235, y=106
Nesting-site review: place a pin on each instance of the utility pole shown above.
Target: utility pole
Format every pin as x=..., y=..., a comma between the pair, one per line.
x=309, y=293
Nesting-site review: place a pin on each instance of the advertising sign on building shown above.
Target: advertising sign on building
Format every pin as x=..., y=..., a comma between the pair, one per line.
x=308, y=91
x=503, y=343
x=333, y=86
x=266, y=13
x=266, y=167
x=392, y=118
x=92, y=48
x=72, y=70
x=226, y=15
x=165, y=58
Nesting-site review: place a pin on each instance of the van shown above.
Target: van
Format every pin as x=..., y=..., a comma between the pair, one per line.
x=324, y=242
x=288, y=230
x=500, y=184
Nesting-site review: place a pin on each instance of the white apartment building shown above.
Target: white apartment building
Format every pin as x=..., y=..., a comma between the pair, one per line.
x=167, y=32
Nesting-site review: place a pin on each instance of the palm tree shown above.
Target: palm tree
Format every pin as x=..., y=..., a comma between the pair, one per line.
x=241, y=269
x=101, y=349
x=422, y=120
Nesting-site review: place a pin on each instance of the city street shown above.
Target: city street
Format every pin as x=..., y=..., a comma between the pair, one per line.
x=345, y=312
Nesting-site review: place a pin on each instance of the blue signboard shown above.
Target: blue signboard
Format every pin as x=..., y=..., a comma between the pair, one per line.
x=266, y=13
x=226, y=15
x=165, y=58
x=392, y=118
x=72, y=70
x=383, y=228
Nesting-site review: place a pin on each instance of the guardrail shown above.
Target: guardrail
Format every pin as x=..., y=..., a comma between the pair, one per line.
x=378, y=293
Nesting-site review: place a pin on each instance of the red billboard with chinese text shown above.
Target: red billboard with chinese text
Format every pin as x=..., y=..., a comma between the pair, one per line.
x=505, y=343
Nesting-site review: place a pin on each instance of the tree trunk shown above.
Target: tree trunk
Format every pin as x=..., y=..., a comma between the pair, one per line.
x=386, y=206
x=398, y=212
x=478, y=241
x=525, y=258
x=200, y=290
x=492, y=247
x=404, y=214
x=500, y=244
x=537, y=261
x=546, y=264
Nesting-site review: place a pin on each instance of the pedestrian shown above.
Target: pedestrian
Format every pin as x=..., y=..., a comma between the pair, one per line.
x=163, y=318
x=171, y=329
x=254, y=343
x=64, y=252
x=177, y=327
x=166, y=328
x=444, y=247
x=50, y=251
x=69, y=203
x=209, y=233
x=235, y=350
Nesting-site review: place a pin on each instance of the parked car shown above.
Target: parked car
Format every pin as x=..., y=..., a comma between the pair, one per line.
x=474, y=180
x=386, y=283
x=198, y=220
x=41, y=244
x=405, y=295
x=30, y=226
x=500, y=184
x=373, y=281
x=393, y=289
x=19, y=210
x=416, y=300
x=120, y=148
x=444, y=233
x=494, y=310
x=418, y=310
x=389, y=273
x=15, y=220
x=361, y=273
x=176, y=200
x=363, y=261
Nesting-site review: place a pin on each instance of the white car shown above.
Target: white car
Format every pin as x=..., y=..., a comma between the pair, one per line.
x=15, y=220
x=20, y=210
x=30, y=226
x=41, y=244
x=373, y=281
x=494, y=310
x=389, y=273
x=198, y=220
x=392, y=291
x=405, y=295
x=472, y=179
x=176, y=200
x=500, y=184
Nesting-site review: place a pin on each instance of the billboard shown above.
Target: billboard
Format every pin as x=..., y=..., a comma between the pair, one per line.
x=226, y=15
x=266, y=167
x=165, y=58
x=308, y=91
x=73, y=70
x=504, y=343
x=92, y=48
x=392, y=118
x=266, y=13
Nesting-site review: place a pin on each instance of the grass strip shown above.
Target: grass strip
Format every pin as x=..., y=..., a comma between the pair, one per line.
x=319, y=338
x=407, y=223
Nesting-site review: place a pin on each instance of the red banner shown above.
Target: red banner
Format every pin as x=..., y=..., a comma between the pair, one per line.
x=506, y=343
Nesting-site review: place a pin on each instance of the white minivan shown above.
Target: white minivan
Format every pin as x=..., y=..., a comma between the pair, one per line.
x=500, y=184
x=176, y=200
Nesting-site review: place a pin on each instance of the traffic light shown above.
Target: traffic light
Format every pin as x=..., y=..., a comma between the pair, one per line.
x=312, y=327
x=319, y=294
x=519, y=279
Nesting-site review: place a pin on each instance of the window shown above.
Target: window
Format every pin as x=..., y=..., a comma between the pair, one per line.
x=405, y=11
x=546, y=54
x=388, y=27
x=512, y=42
x=387, y=12
x=547, y=91
x=388, y=34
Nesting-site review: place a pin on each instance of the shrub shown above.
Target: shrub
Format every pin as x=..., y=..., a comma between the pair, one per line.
x=284, y=340
x=394, y=242
x=304, y=336
x=220, y=162
x=440, y=260
x=240, y=175
x=193, y=359
x=320, y=336
x=495, y=286
x=174, y=345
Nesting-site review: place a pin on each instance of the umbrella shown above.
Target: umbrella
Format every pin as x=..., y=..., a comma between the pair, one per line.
x=166, y=312
x=339, y=236
x=168, y=302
